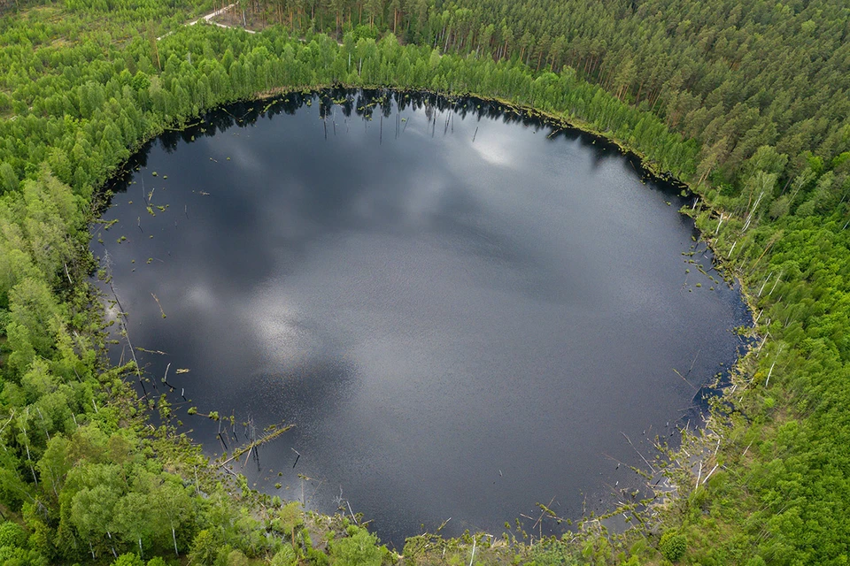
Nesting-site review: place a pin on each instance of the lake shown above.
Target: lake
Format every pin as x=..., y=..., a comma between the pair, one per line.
x=463, y=311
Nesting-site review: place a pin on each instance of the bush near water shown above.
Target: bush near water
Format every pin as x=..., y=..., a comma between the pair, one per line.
x=746, y=101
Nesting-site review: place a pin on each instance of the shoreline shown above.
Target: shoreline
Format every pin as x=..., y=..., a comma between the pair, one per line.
x=556, y=122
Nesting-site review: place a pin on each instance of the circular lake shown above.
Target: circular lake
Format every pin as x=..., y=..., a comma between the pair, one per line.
x=463, y=312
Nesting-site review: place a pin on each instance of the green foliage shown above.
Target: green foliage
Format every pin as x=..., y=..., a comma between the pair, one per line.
x=317, y=558
x=284, y=557
x=12, y=556
x=236, y=558
x=205, y=548
x=551, y=553
x=364, y=32
x=746, y=101
x=357, y=549
x=673, y=546
x=289, y=519
x=129, y=559
x=12, y=535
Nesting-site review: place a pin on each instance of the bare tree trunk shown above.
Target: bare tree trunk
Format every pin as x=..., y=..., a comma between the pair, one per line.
x=174, y=538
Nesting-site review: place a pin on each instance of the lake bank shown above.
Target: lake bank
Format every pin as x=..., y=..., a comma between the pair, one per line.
x=368, y=115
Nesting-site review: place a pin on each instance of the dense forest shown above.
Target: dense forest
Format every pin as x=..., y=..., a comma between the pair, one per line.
x=746, y=102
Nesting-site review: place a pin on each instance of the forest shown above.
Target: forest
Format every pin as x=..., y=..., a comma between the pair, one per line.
x=746, y=102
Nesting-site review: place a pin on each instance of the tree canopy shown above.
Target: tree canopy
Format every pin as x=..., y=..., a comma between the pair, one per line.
x=747, y=102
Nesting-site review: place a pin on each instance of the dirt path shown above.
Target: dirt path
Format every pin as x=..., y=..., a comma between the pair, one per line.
x=209, y=19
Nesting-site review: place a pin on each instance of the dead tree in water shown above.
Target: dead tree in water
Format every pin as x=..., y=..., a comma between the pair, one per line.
x=123, y=325
x=255, y=443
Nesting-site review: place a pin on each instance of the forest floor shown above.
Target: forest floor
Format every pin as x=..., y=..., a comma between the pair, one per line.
x=211, y=15
x=250, y=21
x=208, y=18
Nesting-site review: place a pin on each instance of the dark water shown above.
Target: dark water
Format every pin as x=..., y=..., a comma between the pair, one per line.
x=458, y=329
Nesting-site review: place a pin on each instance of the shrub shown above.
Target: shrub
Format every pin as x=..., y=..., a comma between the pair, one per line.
x=284, y=557
x=360, y=549
x=12, y=534
x=204, y=548
x=128, y=559
x=236, y=558
x=673, y=546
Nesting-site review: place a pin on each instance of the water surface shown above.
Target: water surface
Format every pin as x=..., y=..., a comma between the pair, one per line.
x=463, y=312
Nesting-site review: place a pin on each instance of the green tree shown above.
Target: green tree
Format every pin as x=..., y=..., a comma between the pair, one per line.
x=357, y=549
